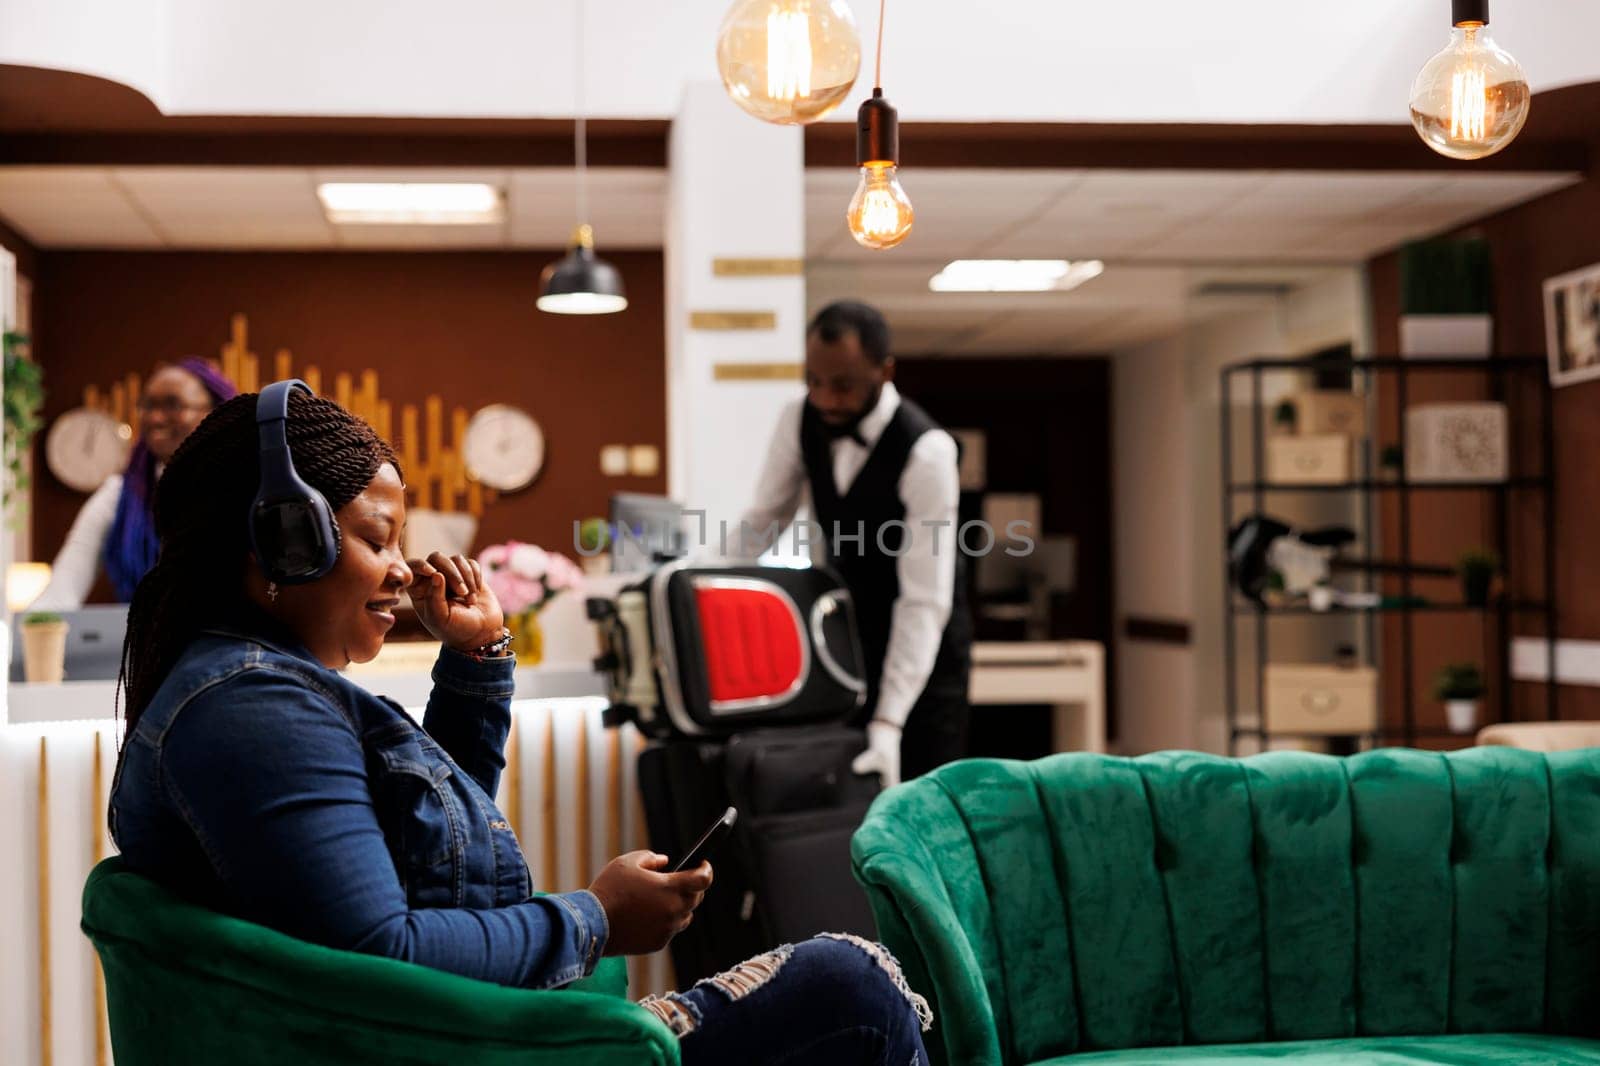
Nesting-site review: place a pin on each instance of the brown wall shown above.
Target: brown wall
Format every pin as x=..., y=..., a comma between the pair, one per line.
x=1047, y=424
x=1530, y=243
x=462, y=325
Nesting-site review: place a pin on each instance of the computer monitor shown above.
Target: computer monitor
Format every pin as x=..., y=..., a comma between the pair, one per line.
x=94, y=643
x=1021, y=588
x=645, y=530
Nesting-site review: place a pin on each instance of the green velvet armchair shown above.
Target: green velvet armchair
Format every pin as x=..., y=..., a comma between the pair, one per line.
x=1395, y=907
x=186, y=986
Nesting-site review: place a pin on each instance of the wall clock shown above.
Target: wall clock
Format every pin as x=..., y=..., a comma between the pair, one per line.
x=85, y=446
x=504, y=447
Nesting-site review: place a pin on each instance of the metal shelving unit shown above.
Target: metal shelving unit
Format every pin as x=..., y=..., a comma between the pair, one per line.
x=1529, y=474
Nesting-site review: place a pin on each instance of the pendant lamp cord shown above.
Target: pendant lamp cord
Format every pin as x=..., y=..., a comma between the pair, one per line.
x=877, y=74
x=580, y=130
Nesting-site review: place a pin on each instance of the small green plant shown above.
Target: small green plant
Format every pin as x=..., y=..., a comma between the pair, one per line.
x=1393, y=457
x=41, y=618
x=24, y=398
x=1458, y=681
x=1477, y=567
x=594, y=536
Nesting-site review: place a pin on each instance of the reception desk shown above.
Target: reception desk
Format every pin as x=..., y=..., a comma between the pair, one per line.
x=568, y=789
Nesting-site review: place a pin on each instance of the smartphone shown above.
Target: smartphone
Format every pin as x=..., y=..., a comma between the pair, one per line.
x=709, y=841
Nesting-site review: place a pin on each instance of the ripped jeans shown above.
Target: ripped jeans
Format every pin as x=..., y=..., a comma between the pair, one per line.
x=837, y=1000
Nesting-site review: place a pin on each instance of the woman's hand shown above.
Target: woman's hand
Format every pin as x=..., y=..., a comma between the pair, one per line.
x=646, y=906
x=453, y=602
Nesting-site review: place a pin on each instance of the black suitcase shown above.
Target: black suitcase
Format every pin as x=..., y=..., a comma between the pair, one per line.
x=746, y=678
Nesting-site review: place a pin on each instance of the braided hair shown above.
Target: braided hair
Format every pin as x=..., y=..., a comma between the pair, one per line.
x=202, y=508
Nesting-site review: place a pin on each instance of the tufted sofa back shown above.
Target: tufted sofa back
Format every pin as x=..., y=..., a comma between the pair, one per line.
x=1085, y=902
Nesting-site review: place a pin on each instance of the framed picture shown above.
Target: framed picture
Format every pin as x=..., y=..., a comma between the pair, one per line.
x=1572, y=325
x=974, y=458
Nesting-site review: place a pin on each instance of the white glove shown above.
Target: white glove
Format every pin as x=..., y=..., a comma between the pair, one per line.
x=882, y=756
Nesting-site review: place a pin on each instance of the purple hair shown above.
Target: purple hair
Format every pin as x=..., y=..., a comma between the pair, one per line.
x=132, y=546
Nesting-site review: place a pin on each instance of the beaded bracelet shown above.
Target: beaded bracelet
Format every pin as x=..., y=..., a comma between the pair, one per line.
x=495, y=649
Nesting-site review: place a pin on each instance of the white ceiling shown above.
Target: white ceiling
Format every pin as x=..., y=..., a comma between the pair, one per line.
x=238, y=208
x=1168, y=61
x=1164, y=233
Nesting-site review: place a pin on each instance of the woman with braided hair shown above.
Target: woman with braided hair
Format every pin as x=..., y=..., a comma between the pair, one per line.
x=257, y=780
x=115, y=528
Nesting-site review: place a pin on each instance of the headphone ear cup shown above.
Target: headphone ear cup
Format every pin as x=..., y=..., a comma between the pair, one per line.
x=296, y=540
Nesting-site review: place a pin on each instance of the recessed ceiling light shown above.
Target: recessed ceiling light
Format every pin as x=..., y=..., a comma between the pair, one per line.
x=411, y=203
x=1014, y=275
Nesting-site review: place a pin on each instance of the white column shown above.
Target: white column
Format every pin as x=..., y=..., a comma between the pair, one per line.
x=736, y=190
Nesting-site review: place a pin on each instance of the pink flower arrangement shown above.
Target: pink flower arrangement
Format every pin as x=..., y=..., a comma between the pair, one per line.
x=524, y=577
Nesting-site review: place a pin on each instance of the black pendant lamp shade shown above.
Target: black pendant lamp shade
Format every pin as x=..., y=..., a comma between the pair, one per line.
x=877, y=132
x=580, y=282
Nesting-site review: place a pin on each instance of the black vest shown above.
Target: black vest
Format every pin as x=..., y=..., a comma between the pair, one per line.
x=867, y=566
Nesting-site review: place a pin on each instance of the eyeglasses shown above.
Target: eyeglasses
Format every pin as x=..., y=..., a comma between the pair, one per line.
x=168, y=405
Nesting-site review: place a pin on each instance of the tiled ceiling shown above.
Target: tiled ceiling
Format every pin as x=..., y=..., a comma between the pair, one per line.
x=1163, y=233
x=1169, y=216
x=241, y=208
x=1165, y=236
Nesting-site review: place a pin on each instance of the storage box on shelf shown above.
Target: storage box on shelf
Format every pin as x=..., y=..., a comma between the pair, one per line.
x=1324, y=411
x=1316, y=698
x=1320, y=460
x=1456, y=442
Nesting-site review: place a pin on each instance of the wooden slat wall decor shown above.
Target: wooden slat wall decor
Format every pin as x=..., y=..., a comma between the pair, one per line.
x=435, y=468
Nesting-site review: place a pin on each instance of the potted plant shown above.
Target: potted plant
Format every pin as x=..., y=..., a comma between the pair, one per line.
x=1459, y=686
x=1391, y=461
x=592, y=541
x=44, y=647
x=1446, y=287
x=23, y=399
x=525, y=578
x=1477, y=568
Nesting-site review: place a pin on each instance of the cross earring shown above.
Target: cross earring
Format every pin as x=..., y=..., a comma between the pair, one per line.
x=272, y=591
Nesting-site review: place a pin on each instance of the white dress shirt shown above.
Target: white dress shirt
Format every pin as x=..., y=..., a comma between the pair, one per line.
x=78, y=562
x=929, y=488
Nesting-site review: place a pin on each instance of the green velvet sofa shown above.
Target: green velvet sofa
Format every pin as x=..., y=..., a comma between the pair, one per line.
x=1394, y=907
x=189, y=987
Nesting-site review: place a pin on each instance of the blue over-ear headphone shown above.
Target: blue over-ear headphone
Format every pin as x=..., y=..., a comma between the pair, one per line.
x=292, y=530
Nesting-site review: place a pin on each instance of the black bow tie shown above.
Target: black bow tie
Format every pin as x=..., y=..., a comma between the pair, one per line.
x=853, y=433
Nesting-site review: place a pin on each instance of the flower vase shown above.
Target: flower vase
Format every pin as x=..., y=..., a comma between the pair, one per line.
x=527, y=638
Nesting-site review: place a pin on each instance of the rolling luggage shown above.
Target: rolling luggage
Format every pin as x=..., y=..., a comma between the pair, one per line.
x=748, y=680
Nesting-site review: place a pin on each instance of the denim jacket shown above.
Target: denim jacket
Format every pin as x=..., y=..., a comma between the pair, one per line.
x=265, y=785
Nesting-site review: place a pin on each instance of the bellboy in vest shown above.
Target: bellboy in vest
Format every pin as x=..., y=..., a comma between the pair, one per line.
x=883, y=487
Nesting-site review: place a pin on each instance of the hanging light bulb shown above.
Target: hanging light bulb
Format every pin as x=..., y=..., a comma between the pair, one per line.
x=580, y=282
x=880, y=213
x=1471, y=99
x=788, y=61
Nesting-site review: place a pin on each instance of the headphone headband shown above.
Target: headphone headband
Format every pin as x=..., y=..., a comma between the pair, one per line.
x=292, y=530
